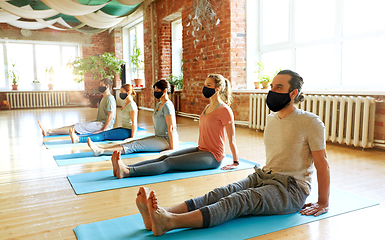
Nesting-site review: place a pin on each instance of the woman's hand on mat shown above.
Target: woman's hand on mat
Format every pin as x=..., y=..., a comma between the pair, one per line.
x=315, y=209
x=128, y=139
x=230, y=166
x=97, y=132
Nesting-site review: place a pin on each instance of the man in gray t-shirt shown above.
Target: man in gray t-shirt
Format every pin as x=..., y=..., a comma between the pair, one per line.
x=104, y=121
x=294, y=144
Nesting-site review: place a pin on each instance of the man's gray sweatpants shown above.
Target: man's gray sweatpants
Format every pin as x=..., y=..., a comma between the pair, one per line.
x=259, y=194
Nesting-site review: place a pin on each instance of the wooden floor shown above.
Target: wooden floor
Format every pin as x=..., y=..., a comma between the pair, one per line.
x=37, y=201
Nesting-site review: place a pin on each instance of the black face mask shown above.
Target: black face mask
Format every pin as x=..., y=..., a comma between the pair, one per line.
x=158, y=94
x=277, y=101
x=123, y=95
x=208, y=92
x=102, y=89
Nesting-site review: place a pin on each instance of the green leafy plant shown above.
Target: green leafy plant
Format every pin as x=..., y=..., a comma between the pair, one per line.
x=101, y=66
x=36, y=81
x=135, y=58
x=13, y=74
x=177, y=81
x=264, y=78
x=49, y=72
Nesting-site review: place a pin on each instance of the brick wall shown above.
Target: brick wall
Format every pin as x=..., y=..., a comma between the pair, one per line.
x=212, y=50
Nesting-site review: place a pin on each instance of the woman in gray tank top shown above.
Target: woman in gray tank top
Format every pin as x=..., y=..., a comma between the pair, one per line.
x=166, y=135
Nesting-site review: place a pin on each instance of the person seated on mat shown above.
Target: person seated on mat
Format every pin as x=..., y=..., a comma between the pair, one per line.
x=294, y=142
x=166, y=135
x=105, y=118
x=216, y=121
x=129, y=121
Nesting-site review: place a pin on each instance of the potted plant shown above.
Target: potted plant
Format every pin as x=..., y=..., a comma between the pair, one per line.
x=14, y=75
x=36, y=85
x=137, y=62
x=101, y=66
x=177, y=81
x=263, y=79
x=49, y=73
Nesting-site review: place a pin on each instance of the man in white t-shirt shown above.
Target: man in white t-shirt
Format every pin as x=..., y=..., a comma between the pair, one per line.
x=294, y=142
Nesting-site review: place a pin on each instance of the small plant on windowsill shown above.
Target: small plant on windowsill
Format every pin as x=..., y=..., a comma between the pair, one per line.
x=49, y=73
x=14, y=75
x=137, y=62
x=36, y=85
x=263, y=79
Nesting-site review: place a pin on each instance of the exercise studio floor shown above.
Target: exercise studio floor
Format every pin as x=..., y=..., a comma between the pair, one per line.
x=38, y=202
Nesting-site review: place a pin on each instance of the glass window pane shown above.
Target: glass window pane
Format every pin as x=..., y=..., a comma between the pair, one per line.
x=274, y=61
x=314, y=20
x=46, y=56
x=275, y=21
x=63, y=77
x=361, y=61
x=177, y=48
x=2, y=72
x=22, y=55
x=363, y=16
x=317, y=66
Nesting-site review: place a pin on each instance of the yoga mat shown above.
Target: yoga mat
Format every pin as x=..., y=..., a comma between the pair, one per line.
x=105, y=180
x=53, y=136
x=87, y=157
x=132, y=227
x=68, y=143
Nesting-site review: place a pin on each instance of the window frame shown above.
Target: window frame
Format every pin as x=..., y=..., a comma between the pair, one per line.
x=4, y=43
x=255, y=51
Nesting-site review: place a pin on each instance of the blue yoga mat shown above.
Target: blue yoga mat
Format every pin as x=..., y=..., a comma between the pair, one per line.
x=87, y=157
x=54, y=136
x=132, y=227
x=105, y=180
x=68, y=143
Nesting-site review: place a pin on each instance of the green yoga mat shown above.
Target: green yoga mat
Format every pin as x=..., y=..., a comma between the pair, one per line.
x=132, y=227
x=87, y=157
x=105, y=180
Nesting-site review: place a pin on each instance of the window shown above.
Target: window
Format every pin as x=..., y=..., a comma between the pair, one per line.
x=32, y=59
x=135, y=34
x=176, y=34
x=323, y=40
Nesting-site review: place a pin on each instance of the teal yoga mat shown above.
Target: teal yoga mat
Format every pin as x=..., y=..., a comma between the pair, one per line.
x=87, y=157
x=105, y=180
x=132, y=227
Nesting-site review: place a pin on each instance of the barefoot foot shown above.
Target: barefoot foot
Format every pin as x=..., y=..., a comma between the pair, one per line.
x=160, y=218
x=121, y=169
x=44, y=130
x=141, y=203
x=74, y=137
x=97, y=150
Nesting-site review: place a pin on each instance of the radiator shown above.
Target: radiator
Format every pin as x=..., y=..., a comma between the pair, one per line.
x=347, y=119
x=36, y=99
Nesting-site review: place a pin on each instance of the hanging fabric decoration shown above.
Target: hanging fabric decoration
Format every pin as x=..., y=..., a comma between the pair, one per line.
x=100, y=20
x=130, y=2
x=132, y=17
x=6, y=16
x=71, y=8
x=59, y=20
x=31, y=25
x=27, y=11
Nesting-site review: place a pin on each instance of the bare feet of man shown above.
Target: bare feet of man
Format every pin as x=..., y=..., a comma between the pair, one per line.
x=44, y=130
x=141, y=203
x=160, y=218
x=120, y=169
x=74, y=137
x=97, y=150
